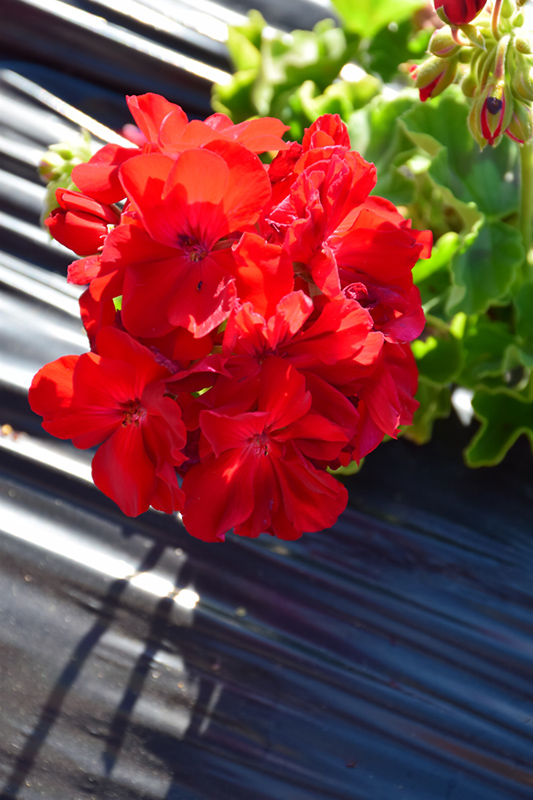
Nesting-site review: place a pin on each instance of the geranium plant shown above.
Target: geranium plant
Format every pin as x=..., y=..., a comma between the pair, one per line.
x=249, y=323
x=255, y=306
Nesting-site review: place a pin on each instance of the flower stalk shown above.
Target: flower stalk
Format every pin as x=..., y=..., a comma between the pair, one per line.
x=526, y=203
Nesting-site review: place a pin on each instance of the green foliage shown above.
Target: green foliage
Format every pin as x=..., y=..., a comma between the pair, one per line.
x=475, y=289
x=367, y=17
x=484, y=271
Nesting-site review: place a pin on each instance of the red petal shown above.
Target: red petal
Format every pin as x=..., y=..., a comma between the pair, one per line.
x=123, y=471
x=149, y=110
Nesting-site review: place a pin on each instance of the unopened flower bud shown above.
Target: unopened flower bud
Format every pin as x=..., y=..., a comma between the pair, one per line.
x=520, y=129
x=50, y=165
x=522, y=83
x=60, y=159
x=496, y=111
x=469, y=85
x=507, y=9
x=458, y=12
x=433, y=76
x=523, y=44
x=442, y=43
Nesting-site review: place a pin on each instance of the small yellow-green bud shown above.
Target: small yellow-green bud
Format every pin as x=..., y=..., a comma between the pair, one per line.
x=442, y=43
x=523, y=44
x=469, y=85
x=507, y=9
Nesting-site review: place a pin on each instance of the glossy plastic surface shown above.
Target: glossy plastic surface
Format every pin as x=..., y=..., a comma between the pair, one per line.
x=390, y=657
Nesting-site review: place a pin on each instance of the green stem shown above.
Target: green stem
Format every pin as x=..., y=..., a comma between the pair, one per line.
x=526, y=201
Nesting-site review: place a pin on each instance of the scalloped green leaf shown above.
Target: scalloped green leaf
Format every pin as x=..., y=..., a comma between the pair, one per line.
x=504, y=415
x=524, y=323
x=486, y=268
x=489, y=178
x=340, y=98
x=367, y=17
x=490, y=349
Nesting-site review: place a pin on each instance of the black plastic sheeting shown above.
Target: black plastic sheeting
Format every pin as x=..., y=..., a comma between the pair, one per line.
x=389, y=657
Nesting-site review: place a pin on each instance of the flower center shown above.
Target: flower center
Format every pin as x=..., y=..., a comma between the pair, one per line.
x=260, y=443
x=193, y=249
x=133, y=412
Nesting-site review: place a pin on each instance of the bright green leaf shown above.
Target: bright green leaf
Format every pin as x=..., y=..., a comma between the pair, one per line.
x=488, y=179
x=367, y=17
x=484, y=271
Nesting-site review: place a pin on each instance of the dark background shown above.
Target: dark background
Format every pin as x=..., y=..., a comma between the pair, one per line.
x=389, y=657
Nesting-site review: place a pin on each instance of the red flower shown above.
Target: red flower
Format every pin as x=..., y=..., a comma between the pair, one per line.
x=117, y=399
x=80, y=223
x=257, y=135
x=177, y=271
x=254, y=476
x=459, y=12
x=336, y=344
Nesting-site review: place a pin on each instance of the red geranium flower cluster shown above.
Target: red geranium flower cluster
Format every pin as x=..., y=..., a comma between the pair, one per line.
x=264, y=315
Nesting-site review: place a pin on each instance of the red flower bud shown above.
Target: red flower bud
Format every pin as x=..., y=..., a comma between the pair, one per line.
x=433, y=76
x=496, y=112
x=80, y=223
x=459, y=12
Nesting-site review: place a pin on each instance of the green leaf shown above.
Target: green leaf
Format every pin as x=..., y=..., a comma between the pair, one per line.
x=341, y=98
x=375, y=133
x=393, y=46
x=439, y=358
x=373, y=130
x=488, y=179
x=485, y=270
x=504, y=415
x=489, y=350
x=352, y=469
x=432, y=275
x=235, y=98
x=367, y=17
x=435, y=403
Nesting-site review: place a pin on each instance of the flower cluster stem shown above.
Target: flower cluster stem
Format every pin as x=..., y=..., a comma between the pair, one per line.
x=496, y=19
x=526, y=202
